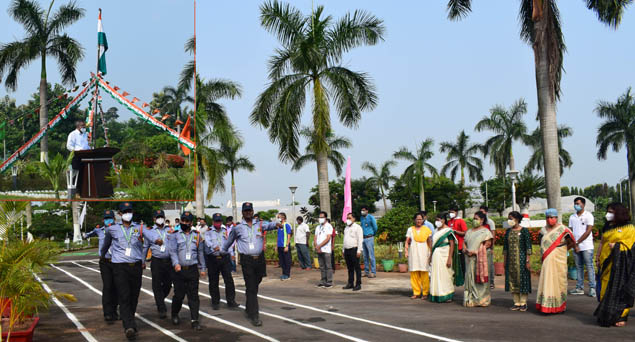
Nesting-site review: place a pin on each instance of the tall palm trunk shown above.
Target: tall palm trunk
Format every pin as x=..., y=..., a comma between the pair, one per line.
x=75, y=214
x=422, y=194
x=29, y=215
x=630, y=155
x=547, y=111
x=323, y=182
x=383, y=197
x=44, y=147
x=234, y=206
x=200, y=200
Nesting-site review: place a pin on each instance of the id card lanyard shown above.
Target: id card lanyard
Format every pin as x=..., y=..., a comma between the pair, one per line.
x=188, y=242
x=162, y=248
x=251, y=238
x=128, y=237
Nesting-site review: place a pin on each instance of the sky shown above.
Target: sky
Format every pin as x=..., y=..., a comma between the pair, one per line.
x=434, y=77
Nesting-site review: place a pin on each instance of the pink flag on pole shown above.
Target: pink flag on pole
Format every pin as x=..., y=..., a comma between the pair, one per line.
x=348, y=201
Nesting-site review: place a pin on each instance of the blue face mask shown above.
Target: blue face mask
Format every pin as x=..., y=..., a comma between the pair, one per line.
x=109, y=221
x=577, y=208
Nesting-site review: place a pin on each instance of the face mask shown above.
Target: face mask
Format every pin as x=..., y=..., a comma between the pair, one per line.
x=610, y=216
x=452, y=215
x=321, y=220
x=127, y=217
x=477, y=223
x=511, y=223
x=109, y=221
x=364, y=213
x=83, y=130
x=185, y=227
x=160, y=220
x=349, y=222
x=439, y=224
x=577, y=208
x=552, y=221
x=217, y=225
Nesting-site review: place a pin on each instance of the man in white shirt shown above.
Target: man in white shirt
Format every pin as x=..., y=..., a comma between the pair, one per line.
x=353, y=245
x=581, y=223
x=322, y=245
x=302, y=234
x=78, y=139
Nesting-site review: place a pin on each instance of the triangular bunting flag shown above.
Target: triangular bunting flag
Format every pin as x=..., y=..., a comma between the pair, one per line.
x=116, y=88
x=156, y=111
x=125, y=93
x=145, y=104
x=134, y=99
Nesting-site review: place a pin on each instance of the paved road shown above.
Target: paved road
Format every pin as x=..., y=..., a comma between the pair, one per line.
x=295, y=310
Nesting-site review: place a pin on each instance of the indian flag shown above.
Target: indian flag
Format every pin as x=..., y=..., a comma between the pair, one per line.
x=103, y=46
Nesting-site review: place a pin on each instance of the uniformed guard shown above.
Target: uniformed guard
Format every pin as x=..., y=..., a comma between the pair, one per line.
x=188, y=259
x=128, y=262
x=219, y=262
x=161, y=267
x=248, y=236
x=109, y=292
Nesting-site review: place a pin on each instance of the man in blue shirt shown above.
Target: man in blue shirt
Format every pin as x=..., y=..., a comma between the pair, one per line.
x=369, y=226
x=219, y=263
x=249, y=241
x=161, y=264
x=426, y=222
x=125, y=242
x=284, y=245
x=109, y=292
x=186, y=253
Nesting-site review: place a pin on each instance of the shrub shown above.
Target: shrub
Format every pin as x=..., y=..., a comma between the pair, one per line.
x=396, y=223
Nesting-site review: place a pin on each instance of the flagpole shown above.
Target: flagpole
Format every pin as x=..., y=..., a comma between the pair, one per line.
x=92, y=121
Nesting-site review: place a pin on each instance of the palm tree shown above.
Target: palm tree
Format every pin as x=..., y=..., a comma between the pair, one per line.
x=335, y=157
x=508, y=125
x=416, y=170
x=44, y=38
x=541, y=29
x=534, y=140
x=529, y=186
x=233, y=162
x=174, y=99
x=381, y=177
x=53, y=169
x=461, y=155
x=187, y=74
x=619, y=131
x=310, y=60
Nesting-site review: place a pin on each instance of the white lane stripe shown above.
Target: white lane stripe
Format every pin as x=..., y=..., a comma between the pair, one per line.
x=71, y=261
x=90, y=287
x=80, y=327
x=203, y=313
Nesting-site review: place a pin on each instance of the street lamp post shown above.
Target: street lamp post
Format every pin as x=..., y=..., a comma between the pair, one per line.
x=293, y=189
x=14, y=177
x=513, y=174
x=435, y=206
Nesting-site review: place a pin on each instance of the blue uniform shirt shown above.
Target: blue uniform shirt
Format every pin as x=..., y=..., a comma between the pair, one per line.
x=181, y=244
x=214, y=238
x=117, y=238
x=152, y=235
x=429, y=225
x=283, y=241
x=248, y=240
x=99, y=233
x=369, y=225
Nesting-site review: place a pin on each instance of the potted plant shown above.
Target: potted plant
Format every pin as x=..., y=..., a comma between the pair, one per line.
x=499, y=263
x=388, y=264
x=402, y=265
x=23, y=295
x=572, y=270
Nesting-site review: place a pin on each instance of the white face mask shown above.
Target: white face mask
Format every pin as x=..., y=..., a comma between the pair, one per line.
x=349, y=222
x=83, y=130
x=511, y=223
x=452, y=215
x=321, y=220
x=160, y=220
x=364, y=213
x=439, y=224
x=610, y=216
x=127, y=217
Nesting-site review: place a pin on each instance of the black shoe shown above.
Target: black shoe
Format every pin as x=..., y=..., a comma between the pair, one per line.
x=348, y=286
x=131, y=334
x=320, y=285
x=357, y=288
x=109, y=318
x=327, y=286
x=232, y=305
x=256, y=322
x=176, y=320
x=162, y=314
x=215, y=306
x=196, y=326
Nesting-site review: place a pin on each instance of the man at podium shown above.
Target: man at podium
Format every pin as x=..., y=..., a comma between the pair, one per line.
x=77, y=141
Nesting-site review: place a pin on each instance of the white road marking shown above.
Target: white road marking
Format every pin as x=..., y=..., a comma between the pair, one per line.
x=72, y=261
x=80, y=327
x=203, y=313
x=92, y=288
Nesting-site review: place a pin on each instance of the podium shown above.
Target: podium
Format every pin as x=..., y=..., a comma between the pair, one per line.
x=95, y=166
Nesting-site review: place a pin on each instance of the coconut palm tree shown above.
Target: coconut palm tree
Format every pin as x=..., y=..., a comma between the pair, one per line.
x=174, y=99
x=508, y=126
x=541, y=29
x=529, y=186
x=310, y=61
x=335, y=157
x=233, y=163
x=187, y=74
x=617, y=131
x=53, y=169
x=44, y=38
x=381, y=177
x=534, y=140
x=460, y=156
x=417, y=170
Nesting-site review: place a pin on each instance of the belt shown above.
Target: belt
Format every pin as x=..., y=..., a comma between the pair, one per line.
x=255, y=257
x=132, y=264
x=162, y=259
x=367, y=236
x=188, y=267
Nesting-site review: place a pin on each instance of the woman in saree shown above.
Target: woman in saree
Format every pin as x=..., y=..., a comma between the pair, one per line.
x=516, y=251
x=616, y=265
x=552, y=286
x=417, y=249
x=445, y=272
x=477, y=241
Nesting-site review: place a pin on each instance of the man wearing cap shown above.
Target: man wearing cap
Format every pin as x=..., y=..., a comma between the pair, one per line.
x=125, y=242
x=109, y=292
x=219, y=262
x=161, y=266
x=249, y=240
x=186, y=252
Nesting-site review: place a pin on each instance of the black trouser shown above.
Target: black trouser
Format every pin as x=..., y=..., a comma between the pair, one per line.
x=128, y=284
x=462, y=261
x=108, y=289
x=285, y=260
x=254, y=268
x=220, y=265
x=186, y=282
x=161, y=280
x=352, y=263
